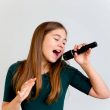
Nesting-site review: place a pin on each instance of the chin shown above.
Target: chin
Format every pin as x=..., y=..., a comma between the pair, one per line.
x=52, y=61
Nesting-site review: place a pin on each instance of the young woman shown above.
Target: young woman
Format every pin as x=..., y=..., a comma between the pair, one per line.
x=40, y=82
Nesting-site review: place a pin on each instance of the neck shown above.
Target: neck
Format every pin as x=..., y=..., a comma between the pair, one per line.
x=45, y=67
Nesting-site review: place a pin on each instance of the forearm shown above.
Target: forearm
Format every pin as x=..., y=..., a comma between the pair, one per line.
x=13, y=105
x=97, y=82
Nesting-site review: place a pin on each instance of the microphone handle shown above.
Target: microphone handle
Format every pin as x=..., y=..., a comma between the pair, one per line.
x=70, y=54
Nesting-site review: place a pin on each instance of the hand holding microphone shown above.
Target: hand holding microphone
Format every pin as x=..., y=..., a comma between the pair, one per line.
x=70, y=54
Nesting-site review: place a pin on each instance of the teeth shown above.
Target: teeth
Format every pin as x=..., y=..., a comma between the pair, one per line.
x=58, y=51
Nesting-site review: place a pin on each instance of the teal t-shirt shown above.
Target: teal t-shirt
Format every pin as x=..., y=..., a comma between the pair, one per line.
x=69, y=76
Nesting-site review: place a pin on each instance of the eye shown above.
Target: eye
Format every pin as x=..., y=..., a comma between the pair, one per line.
x=64, y=43
x=56, y=39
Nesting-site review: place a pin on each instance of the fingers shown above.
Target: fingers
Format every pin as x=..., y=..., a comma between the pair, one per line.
x=29, y=83
x=26, y=88
x=76, y=47
x=88, y=51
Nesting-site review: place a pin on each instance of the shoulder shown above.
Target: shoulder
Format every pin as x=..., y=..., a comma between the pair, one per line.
x=68, y=68
x=69, y=73
x=13, y=67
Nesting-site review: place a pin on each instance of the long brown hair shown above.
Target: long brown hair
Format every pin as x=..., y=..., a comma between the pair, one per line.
x=31, y=67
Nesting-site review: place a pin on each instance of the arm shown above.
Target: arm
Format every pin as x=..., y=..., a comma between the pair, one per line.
x=13, y=105
x=21, y=96
x=99, y=88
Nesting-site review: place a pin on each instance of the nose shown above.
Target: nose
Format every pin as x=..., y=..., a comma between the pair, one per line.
x=61, y=45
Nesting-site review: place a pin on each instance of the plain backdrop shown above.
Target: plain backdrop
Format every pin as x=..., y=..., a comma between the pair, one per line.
x=85, y=20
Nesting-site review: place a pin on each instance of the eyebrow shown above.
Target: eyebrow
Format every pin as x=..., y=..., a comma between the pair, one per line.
x=59, y=36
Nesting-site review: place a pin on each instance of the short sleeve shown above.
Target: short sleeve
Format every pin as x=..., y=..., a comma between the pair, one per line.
x=79, y=81
x=9, y=93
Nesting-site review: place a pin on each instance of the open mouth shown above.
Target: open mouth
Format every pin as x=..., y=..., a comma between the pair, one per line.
x=56, y=52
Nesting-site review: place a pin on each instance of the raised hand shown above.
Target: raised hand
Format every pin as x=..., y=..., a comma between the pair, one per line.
x=25, y=89
x=82, y=58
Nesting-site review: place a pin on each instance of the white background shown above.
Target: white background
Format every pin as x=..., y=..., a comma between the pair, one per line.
x=85, y=20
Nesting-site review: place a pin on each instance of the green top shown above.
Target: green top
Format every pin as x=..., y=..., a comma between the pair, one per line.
x=69, y=76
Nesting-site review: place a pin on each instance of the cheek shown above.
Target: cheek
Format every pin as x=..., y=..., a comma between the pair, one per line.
x=50, y=43
x=47, y=46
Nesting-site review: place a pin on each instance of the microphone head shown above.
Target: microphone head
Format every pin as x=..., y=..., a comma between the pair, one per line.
x=68, y=55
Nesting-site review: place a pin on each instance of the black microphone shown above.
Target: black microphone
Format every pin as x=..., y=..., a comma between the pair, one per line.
x=70, y=54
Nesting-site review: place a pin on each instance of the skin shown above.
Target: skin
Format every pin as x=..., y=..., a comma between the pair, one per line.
x=56, y=39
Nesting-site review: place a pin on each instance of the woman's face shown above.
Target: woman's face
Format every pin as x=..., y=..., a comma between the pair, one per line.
x=53, y=45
